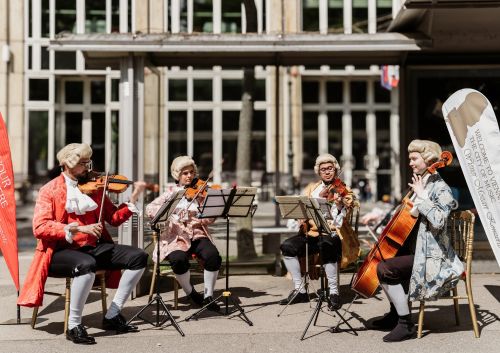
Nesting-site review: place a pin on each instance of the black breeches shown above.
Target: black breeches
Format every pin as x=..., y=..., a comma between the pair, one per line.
x=329, y=247
x=396, y=270
x=203, y=248
x=72, y=263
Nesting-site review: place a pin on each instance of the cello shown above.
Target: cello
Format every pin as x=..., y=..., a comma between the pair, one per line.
x=365, y=282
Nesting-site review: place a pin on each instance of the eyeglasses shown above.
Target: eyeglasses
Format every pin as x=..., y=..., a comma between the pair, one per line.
x=327, y=169
x=87, y=164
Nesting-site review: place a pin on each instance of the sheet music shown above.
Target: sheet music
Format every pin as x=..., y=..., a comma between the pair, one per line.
x=294, y=207
x=243, y=200
x=168, y=207
x=216, y=202
x=323, y=206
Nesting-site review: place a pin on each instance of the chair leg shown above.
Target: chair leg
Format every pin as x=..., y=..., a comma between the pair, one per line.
x=457, y=307
x=472, y=308
x=153, y=282
x=421, y=319
x=34, y=317
x=67, y=298
x=103, y=294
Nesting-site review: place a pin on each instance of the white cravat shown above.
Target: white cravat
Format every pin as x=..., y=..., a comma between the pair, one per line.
x=76, y=201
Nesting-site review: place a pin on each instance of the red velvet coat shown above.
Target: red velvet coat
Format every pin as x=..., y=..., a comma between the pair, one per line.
x=49, y=219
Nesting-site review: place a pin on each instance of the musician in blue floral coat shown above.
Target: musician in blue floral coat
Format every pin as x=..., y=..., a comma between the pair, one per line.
x=426, y=266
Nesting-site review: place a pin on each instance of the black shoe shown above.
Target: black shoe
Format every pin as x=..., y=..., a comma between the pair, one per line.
x=213, y=306
x=334, y=302
x=388, y=321
x=196, y=297
x=118, y=324
x=295, y=297
x=79, y=335
x=405, y=329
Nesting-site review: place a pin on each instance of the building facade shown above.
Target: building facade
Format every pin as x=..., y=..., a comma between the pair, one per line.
x=54, y=98
x=50, y=98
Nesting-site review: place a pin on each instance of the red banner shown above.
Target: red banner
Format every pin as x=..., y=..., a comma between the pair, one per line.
x=8, y=229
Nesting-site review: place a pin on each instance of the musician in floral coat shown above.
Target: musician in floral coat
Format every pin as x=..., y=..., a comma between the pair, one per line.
x=426, y=266
x=186, y=234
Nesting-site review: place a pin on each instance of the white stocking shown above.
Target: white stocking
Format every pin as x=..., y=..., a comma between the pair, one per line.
x=80, y=289
x=331, y=275
x=209, y=278
x=128, y=281
x=398, y=297
x=185, y=282
x=293, y=266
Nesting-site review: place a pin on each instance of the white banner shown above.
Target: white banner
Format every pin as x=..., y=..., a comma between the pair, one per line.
x=473, y=127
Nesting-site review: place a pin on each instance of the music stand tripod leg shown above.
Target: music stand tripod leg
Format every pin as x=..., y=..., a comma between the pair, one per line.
x=158, y=300
x=226, y=295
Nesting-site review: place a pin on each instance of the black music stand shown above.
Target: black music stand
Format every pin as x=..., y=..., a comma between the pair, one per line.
x=296, y=207
x=162, y=216
x=226, y=203
x=316, y=211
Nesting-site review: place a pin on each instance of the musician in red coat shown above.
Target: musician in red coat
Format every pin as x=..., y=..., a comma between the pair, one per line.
x=73, y=243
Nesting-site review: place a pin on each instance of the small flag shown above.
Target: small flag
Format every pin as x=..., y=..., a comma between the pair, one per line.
x=389, y=76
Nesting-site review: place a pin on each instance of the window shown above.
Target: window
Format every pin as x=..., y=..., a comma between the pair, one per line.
x=98, y=92
x=45, y=64
x=202, y=144
x=202, y=90
x=335, y=16
x=202, y=16
x=95, y=16
x=358, y=91
x=310, y=15
x=310, y=92
x=359, y=16
x=65, y=16
x=177, y=137
x=310, y=139
x=177, y=90
x=38, y=143
x=73, y=130
x=38, y=89
x=334, y=92
x=45, y=30
x=65, y=60
x=231, y=90
x=73, y=92
x=231, y=17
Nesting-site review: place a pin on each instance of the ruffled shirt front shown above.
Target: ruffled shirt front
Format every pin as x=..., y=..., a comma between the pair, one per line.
x=76, y=201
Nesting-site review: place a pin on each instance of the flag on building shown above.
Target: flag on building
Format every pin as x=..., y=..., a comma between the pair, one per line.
x=8, y=229
x=389, y=76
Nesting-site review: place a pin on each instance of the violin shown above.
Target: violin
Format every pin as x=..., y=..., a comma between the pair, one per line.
x=198, y=188
x=115, y=183
x=365, y=282
x=337, y=186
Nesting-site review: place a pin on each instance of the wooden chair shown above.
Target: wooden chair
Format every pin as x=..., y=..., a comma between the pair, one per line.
x=195, y=264
x=100, y=274
x=461, y=232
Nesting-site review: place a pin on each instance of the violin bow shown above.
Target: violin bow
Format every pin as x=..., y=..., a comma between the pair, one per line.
x=103, y=195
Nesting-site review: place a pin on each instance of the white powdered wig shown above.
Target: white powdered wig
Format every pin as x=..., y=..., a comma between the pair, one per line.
x=179, y=163
x=71, y=154
x=327, y=158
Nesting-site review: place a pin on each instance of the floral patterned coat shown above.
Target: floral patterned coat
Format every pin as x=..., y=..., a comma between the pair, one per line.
x=436, y=267
x=180, y=230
